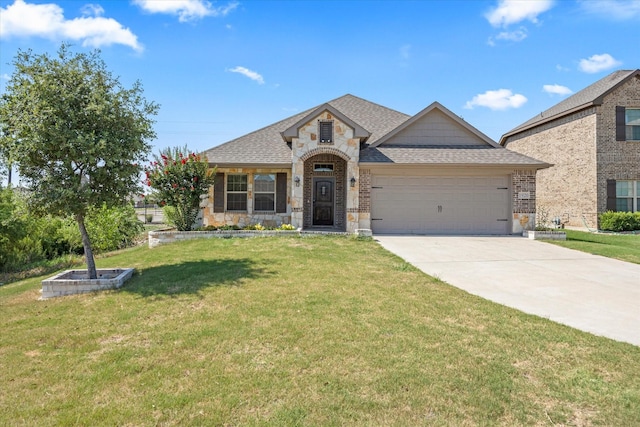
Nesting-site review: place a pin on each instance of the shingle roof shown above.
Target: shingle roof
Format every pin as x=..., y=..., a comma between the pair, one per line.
x=266, y=146
x=448, y=155
x=591, y=95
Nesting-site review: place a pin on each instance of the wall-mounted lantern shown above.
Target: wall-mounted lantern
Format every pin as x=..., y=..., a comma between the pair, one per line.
x=353, y=181
x=297, y=181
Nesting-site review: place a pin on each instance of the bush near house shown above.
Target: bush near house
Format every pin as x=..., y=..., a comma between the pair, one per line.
x=26, y=239
x=620, y=221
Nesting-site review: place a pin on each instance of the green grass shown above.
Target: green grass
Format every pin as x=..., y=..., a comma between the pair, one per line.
x=625, y=247
x=297, y=331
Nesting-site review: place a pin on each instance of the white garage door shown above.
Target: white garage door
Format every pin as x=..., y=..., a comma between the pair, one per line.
x=440, y=205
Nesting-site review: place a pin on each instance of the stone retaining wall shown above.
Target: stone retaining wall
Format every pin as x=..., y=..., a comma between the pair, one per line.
x=162, y=237
x=73, y=282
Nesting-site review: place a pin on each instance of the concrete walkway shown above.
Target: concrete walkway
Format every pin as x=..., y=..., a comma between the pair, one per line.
x=588, y=292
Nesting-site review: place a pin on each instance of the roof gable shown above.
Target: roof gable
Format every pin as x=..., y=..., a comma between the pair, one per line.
x=435, y=126
x=292, y=131
x=266, y=146
x=587, y=97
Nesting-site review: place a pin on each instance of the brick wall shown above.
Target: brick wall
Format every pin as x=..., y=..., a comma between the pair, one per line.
x=619, y=160
x=568, y=189
x=364, y=195
x=585, y=154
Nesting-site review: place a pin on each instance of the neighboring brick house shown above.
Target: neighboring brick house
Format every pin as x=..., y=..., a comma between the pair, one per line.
x=351, y=164
x=593, y=140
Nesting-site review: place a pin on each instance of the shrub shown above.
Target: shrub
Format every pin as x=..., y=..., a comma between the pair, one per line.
x=620, y=221
x=286, y=227
x=26, y=239
x=113, y=228
x=258, y=227
x=180, y=180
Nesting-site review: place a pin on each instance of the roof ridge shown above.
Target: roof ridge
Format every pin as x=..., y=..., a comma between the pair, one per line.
x=581, y=99
x=369, y=102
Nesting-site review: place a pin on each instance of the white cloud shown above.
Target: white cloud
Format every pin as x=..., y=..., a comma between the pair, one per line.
x=500, y=99
x=92, y=10
x=186, y=10
x=513, y=36
x=23, y=19
x=562, y=68
x=5, y=76
x=616, y=9
x=597, y=63
x=248, y=73
x=509, y=12
x=557, y=89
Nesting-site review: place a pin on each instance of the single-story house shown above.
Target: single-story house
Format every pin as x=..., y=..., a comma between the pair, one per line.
x=352, y=164
x=593, y=140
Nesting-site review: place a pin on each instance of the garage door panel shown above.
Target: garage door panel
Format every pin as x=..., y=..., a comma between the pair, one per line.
x=440, y=205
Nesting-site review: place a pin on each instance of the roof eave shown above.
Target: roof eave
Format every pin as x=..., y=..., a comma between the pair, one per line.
x=251, y=165
x=536, y=166
x=508, y=135
x=596, y=102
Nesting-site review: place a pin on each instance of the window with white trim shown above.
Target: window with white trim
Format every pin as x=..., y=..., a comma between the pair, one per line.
x=632, y=124
x=236, y=192
x=627, y=196
x=264, y=192
x=323, y=167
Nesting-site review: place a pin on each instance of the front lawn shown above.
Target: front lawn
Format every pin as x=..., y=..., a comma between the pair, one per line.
x=625, y=247
x=303, y=331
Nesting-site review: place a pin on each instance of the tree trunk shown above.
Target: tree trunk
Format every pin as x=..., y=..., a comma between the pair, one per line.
x=88, y=252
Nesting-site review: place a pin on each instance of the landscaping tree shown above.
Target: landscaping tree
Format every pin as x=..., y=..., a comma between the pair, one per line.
x=179, y=179
x=75, y=134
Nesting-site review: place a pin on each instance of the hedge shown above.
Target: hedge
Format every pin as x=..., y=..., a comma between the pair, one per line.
x=620, y=221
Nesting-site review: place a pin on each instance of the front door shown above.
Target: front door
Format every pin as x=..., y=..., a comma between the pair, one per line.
x=323, y=201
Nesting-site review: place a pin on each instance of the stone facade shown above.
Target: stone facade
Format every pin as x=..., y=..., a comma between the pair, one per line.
x=582, y=147
x=248, y=217
x=344, y=153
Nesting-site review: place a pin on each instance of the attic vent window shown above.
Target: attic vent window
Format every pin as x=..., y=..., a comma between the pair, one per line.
x=325, y=129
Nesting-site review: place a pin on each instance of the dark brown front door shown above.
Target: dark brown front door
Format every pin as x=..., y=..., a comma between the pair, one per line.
x=323, y=201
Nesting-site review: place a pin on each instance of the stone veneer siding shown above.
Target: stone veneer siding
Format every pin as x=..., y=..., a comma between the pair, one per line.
x=345, y=147
x=248, y=217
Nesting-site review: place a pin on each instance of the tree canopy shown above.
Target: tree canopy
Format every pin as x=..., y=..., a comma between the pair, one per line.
x=75, y=134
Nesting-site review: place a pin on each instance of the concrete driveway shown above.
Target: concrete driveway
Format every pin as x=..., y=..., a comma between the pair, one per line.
x=588, y=292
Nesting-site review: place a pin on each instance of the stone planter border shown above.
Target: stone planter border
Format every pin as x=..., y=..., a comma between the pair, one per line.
x=73, y=282
x=545, y=235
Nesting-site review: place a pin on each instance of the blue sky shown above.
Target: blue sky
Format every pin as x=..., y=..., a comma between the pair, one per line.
x=223, y=69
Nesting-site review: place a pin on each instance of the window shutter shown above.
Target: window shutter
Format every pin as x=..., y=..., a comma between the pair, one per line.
x=620, y=124
x=218, y=193
x=281, y=193
x=611, y=195
x=326, y=131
